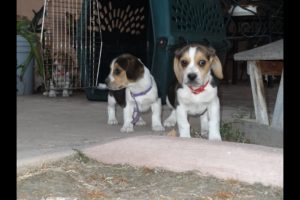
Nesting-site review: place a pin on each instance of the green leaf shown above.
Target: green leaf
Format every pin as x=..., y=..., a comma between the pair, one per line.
x=23, y=29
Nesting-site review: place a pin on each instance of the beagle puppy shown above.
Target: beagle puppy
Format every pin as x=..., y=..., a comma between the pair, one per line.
x=132, y=87
x=63, y=74
x=194, y=91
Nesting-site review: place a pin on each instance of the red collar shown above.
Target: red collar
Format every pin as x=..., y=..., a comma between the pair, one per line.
x=199, y=89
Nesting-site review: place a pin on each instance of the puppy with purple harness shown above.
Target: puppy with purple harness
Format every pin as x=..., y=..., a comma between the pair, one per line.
x=194, y=91
x=132, y=87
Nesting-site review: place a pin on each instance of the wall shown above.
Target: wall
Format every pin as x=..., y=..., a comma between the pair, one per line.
x=25, y=7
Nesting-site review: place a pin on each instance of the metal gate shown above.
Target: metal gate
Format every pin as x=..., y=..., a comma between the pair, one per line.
x=71, y=39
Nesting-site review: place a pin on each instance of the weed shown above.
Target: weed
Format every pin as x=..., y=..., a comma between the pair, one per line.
x=228, y=133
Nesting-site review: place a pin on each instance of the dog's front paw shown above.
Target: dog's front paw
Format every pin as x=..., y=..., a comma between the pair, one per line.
x=141, y=122
x=169, y=122
x=215, y=137
x=112, y=121
x=127, y=129
x=158, y=128
x=185, y=136
x=52, y=93
x=184, y=132
x=65, y=93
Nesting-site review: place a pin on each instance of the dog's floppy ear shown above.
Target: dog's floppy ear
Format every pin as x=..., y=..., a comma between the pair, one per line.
x=176, y=64
x=131, y=65
x=134, y=68
x=216, y=65
x=177, y=70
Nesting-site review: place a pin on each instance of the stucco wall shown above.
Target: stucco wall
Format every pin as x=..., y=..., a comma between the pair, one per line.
x=25, y=7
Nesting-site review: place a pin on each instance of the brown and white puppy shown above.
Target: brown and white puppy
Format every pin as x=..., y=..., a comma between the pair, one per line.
x=64, y=74
x=194, y=91
x=133, y=87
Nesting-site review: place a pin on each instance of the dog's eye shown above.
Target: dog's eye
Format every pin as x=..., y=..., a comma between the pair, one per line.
x=184, y=63
x=117, y=72
x=202, y=62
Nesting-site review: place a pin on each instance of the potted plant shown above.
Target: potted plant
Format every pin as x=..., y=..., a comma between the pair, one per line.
x=28, y=49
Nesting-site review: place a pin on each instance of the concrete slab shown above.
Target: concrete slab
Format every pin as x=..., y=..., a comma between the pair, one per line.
x=244, y=162
x=49, y=128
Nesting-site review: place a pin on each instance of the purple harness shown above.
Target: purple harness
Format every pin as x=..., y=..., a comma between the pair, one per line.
x=136, y=112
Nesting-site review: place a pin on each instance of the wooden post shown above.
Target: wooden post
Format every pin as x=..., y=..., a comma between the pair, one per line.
x=258, y=93
x=277, y=120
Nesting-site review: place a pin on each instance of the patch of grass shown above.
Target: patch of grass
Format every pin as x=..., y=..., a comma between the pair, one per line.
x=228, y=133
x=224, y=195
x=81, y=157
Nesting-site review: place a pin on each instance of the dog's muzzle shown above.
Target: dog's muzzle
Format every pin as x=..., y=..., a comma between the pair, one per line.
x=107, y=81
x=111, y=86
x=192, y=79
x=192, y=76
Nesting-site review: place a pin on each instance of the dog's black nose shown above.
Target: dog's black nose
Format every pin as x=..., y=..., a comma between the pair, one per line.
x=192, y=76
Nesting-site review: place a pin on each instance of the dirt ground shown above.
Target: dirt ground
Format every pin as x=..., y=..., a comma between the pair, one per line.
x=78, y=177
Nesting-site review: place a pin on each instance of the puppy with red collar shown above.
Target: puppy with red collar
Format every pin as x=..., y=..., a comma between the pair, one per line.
x=194, y=92
x=132, y=86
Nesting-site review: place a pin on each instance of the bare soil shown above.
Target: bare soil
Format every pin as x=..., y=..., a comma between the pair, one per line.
x=78, y=177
